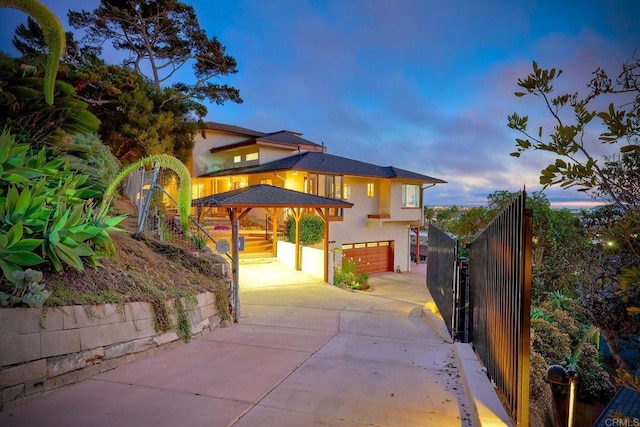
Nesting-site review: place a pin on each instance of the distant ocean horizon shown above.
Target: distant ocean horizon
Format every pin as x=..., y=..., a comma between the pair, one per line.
x=572, y=205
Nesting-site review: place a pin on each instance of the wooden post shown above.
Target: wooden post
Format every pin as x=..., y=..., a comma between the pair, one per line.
x=235, y=255
x=298, y=216
x=274, y=231
x=417, y=231
x=325, y=218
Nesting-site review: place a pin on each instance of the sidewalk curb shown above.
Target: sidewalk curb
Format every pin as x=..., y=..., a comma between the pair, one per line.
x=432, y=318
x=486, y=408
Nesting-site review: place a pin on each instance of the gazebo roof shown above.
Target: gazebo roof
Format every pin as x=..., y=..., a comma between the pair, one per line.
x=267, y=196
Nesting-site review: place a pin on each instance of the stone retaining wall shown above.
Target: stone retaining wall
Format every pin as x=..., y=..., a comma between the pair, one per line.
x=41, y=350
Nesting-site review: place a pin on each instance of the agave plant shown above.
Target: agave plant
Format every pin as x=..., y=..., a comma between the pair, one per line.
x=53, y=35
x=46, y=213
x=163, y=160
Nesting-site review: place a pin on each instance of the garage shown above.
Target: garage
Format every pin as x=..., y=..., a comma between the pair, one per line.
x=371, y=257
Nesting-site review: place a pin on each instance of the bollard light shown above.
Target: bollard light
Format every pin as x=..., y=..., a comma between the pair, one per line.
x=557, y=374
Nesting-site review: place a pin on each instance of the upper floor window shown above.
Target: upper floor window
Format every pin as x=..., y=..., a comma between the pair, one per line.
x=252, y=156
x=311, y=184
x=197, y=191
x=325, y=185
x=333, y=187
x=371, y=189
x=237, y=159
x=410, y=196
x=346, y=191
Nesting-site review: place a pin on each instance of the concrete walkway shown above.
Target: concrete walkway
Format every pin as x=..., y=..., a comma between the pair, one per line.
x=303, y=354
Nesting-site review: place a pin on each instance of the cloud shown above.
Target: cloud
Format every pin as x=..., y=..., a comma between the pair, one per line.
x=424, y=86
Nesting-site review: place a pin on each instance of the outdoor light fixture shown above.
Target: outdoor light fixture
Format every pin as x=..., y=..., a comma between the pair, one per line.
x=557, y=374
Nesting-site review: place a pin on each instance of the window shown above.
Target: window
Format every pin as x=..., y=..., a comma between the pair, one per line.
x=237, y=159
x=197, y=191
x=266, y=181
x=346, y=189
x=324, y=185
x=311, y=184
x=251, y=156
x=410, y=196
x=337, y=182
x=336, y=212
x=370, y=189
x=333, y=186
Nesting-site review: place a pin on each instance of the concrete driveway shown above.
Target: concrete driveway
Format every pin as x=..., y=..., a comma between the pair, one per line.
x=303, y=354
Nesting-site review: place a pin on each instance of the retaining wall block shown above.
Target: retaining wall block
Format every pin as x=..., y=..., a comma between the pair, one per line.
x=130, y=347
x=21, y=373
x=144, y=328
x=82, y=316
x=202, y=299
x=103, y=335
x=19, y=348
x=165, y=338
x=109, y=364
x=9, y=323
x=54, y=343
x=35, y=386
x=33, y=320
x=141, y=310
x=12, y=393
x=207, y=311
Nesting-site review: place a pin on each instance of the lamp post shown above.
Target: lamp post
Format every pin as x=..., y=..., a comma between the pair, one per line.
x=557, y=374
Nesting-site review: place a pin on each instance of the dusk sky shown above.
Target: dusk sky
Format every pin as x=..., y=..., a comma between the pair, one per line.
x=421, y=85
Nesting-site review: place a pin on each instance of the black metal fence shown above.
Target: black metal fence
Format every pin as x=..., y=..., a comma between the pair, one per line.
x=441, y=272
x=489, y=304
x=500, y=290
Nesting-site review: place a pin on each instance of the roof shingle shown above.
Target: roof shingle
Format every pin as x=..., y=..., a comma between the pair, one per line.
x=263, y=195
x=328, y=163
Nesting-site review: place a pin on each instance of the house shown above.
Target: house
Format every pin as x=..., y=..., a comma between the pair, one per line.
x=386, y=200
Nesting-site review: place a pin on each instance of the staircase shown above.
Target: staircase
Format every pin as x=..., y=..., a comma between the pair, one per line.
x=256, y=245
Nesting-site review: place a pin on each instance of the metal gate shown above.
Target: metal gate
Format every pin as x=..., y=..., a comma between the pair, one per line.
x=487, y=300
x=500, y=291
x=447, y=283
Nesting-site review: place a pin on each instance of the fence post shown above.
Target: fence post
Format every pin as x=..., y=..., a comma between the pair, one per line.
x=147, y=201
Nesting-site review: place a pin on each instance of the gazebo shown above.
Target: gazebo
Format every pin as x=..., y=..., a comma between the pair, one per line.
x=274, y=200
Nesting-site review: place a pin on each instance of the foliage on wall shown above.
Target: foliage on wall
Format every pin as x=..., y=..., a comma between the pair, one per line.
x=311, y=229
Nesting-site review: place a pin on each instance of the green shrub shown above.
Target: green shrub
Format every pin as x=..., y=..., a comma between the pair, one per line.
x=346, y=275
x=539, y=391
x=548, y=341
x=311, y=229
x=102, y=166
x=594, y=385
x=560, y=340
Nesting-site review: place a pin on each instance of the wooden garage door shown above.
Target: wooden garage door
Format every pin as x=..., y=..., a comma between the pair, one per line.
x=370, y=257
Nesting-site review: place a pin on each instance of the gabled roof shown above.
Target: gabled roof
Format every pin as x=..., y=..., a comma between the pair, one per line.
x=263, y=195
x=330, y=164
x=283, y=138
x=233, y=129
x=287, y=137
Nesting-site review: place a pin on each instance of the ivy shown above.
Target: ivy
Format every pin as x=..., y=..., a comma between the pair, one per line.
x=311, y=229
